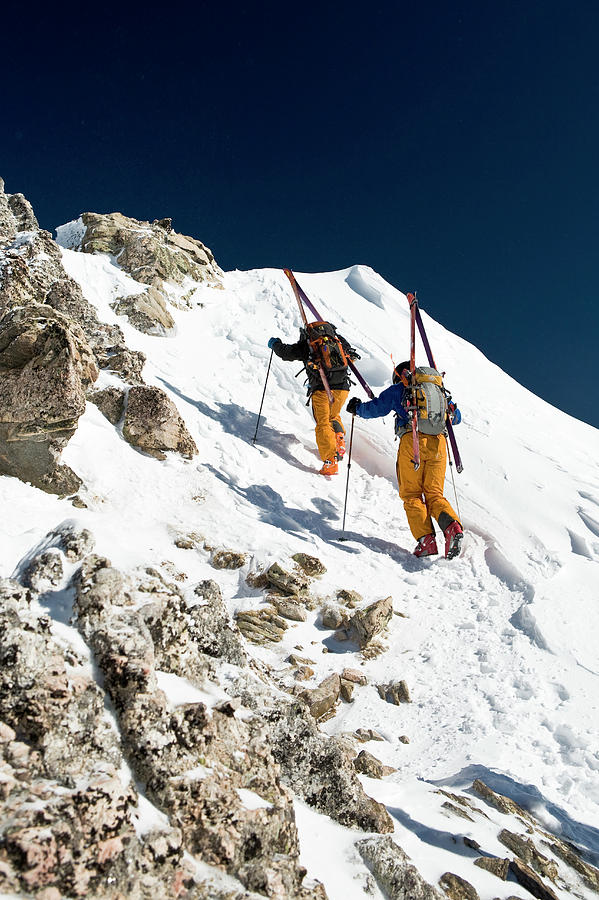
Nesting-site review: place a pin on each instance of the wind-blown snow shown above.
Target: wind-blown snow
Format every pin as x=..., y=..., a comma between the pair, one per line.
x=499, y=647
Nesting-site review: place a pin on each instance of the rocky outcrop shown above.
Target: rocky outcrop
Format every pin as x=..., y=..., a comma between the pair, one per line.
x=153, y=424
x=46, y=365
x=209, y=770
x=396, y=876
x=170, y=264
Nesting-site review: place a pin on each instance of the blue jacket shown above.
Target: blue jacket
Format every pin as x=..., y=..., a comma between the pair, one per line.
x=393, y=399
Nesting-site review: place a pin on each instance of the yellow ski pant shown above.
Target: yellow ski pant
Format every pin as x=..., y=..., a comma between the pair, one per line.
x=422, y=489
x=328, y=421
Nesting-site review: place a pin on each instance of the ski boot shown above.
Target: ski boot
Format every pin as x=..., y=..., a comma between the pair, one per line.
x=340, y=438
x=426, y=546
x=329, y=467
x=453, y=540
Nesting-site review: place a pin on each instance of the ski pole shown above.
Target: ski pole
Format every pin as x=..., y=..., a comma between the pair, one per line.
x=263, y=395
x=457, y=502
x=351, y=440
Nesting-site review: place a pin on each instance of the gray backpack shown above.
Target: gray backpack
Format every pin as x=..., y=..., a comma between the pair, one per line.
x=431, y=401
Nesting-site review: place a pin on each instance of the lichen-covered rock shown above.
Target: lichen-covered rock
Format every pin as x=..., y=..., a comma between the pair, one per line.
x=367, y=764
x=333, y=616
x=44, y=571
x=212, y=772
x=366, y=623
x=261, y=625
x=310, y=565
x=288, y=607
x=153, y=424
x=46, y=365
x=395, y=874
x=323, y=698
x=395, y=692
x=228, y=559
x=498, y=867
x=526, y=850
x=457, y=888
x=318, y=769
x=286, y=582
x=503, y=804
x=350, y=599
x=110, y=401
x=151, y=253
x=146, y=312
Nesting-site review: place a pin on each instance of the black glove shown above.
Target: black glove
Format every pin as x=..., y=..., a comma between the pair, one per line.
x=353, y=405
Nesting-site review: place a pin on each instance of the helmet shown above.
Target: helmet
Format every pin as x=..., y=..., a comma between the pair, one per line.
x=397, y=371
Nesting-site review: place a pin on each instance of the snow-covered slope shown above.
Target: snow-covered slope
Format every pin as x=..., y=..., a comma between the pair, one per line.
x=499, y=647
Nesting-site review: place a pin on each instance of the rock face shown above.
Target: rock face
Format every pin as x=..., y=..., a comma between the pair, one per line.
x=153, y=424
x=46, y=364
x=154, y=255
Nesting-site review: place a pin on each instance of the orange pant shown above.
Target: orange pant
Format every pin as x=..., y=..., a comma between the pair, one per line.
x=328, y=421
x=422, y=489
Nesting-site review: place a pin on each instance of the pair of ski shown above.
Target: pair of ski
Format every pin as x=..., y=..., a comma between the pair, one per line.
x=415, y=319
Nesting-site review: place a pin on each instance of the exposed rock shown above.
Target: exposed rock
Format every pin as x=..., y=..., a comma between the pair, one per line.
x=404, y=739
x=503, y=804
x=210, y=626
x=332, y=616
x=499, y=867
x=395, y=692
x=288, y=607
x=528, y=853
x=75, y=542
x=350, y=599
x=296, y=660
x=571, y=856
x=152, y=254
x=128, y=364
x=261, y=625
x=396, y=876
x=457, y=888
x=44, y=571
x=368, y=734
x=347, y=690
x=110, y=401
x=324, y=697
x=366, y=623
x=367, y=764
x=303, y=673
x=146, y=312
x=286, y=582
x=228, y=559
x=355, y=676
x=45, y=365
x=22, y=211
x=319, y=769
x=456, y=810
x=310, y=565
x=256, y=580
x=529, y=880
x=153, y=424
x=213, y=774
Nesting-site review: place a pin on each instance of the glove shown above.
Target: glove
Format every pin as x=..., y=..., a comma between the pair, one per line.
x=272, y=342
x=455, y=416
x=353, y=406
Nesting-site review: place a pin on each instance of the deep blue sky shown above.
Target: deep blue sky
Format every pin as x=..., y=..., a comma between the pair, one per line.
x=453, y=147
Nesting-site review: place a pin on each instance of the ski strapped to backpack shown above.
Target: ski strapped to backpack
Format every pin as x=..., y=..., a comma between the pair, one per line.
x=302, y=298
x=426, y=398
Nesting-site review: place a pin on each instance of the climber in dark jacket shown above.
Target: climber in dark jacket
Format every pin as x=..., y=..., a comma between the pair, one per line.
x=330, y=432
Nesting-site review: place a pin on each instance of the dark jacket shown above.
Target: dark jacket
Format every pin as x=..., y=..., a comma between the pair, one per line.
x=300, y=351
